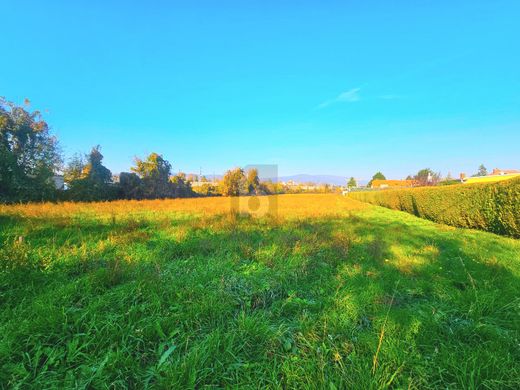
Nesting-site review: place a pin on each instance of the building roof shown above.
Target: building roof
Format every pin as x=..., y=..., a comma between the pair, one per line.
x=497, y=171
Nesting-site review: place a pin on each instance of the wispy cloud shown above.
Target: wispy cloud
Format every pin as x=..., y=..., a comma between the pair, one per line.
x=349, y=96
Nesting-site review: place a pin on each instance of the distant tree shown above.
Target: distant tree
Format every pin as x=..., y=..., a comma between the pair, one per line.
x=352, y=183
x=29, y=154
x=377, y=176
x=182, y=176
x=74, y=169
x=482, y=171
x=95, y=171
x=234, y=182
x=181, y=186
x=253, y=181
x=95, y=180
x=427, y=177
x=191, y=177
x=206, y=189
x=130, y=186
x=273, y=187
x=155, y=173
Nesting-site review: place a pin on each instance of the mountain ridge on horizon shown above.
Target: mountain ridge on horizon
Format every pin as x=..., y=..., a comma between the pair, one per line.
x=301, y=178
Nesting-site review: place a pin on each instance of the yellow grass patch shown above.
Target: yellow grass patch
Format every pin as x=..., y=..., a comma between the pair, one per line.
x=408, y=262
x=291, y=205
x=490, y=179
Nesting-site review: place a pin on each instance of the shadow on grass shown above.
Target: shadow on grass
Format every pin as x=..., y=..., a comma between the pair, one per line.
x=235, y=301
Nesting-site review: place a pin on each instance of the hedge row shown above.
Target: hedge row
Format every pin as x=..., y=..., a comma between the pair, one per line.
x=493, y=207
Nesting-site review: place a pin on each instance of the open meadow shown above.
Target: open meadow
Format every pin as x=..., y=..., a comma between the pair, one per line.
x=324, y=292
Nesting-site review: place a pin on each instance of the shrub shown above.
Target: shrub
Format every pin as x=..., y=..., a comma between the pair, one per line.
x=493, y=207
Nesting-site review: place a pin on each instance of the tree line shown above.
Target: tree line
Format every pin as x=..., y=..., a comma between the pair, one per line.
x=30, y=158
x=87, y=179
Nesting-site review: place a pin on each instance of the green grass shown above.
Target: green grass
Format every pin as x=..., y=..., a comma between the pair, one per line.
x=492, y=207
x=232, y=301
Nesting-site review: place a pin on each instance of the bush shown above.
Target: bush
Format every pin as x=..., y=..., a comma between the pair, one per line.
x=493, y=207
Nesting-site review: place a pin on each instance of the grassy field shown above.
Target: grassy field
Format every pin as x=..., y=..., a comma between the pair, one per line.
x=330, y=293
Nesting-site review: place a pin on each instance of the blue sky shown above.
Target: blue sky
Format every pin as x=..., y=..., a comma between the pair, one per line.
x=346, y=87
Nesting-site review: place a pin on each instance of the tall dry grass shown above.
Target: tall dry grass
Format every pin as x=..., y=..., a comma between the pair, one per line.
x=287, y=206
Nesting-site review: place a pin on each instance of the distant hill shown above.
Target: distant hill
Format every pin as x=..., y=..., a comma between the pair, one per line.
x=305, y=178
x=320, y=179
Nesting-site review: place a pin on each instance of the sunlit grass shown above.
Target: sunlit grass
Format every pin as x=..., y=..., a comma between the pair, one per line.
x=491, y=179
x=300, y=205
x=185, y=294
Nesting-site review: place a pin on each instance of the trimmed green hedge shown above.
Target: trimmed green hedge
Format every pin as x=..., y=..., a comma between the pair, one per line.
x=493, y=207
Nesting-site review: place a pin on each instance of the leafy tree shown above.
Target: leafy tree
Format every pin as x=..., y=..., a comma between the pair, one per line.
x=130, y=186
x=482, y=171
x=192, y=177
x=427, y=177
x=272, y=187
x=74, y=169
x=155, y=173
x=95, y=171
x=181, y=186
x=29, y=154
x=94, y=180
x=352, y=183
x=206, y=189
x=377, y=176
x=253, y=181
x=234, y=182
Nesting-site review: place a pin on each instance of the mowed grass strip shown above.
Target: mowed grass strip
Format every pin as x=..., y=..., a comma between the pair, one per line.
x=330, y=293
